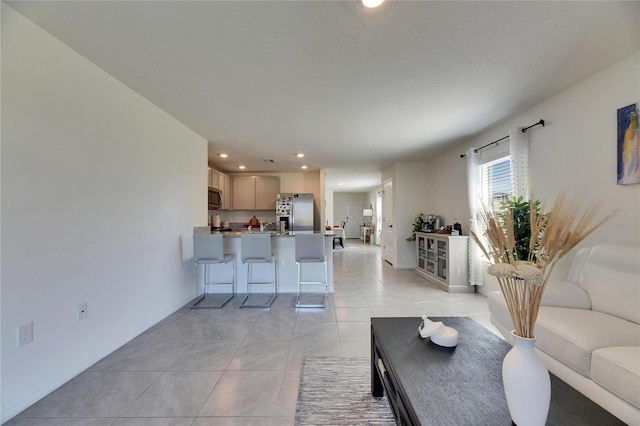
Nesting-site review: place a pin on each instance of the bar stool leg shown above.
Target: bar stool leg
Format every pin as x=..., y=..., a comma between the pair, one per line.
x=299, y=304
x=272, y=297
x=198, y=304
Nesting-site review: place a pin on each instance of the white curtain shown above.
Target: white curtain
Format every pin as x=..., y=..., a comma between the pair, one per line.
x=519, y=152
x=519, y=164
x=473, y=186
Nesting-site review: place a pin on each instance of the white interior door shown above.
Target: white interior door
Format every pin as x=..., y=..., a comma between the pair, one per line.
x=387, y=222
x=354, y=219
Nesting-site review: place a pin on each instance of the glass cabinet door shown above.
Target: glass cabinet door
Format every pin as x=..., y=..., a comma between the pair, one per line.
x=442, y=268
x=422, y=252
x=442, y=259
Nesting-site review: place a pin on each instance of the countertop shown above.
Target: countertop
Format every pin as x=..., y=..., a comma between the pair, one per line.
x=236, y=234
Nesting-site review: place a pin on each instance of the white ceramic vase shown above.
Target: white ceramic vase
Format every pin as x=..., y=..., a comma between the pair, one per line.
x=527, y=385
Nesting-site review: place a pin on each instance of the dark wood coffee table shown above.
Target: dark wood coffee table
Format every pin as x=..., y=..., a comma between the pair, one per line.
x=427, y=384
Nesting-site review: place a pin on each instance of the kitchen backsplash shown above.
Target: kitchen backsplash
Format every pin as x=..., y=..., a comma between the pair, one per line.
x=238, y=219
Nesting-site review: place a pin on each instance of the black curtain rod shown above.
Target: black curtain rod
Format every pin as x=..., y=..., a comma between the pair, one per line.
x=524, y=130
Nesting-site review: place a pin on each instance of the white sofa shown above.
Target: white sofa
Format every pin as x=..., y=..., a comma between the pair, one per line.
x=588, y=327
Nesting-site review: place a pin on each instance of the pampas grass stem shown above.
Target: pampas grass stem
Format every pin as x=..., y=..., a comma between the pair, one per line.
x=553, y=235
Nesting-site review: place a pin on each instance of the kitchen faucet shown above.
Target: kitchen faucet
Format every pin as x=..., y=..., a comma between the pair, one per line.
x=263, y=226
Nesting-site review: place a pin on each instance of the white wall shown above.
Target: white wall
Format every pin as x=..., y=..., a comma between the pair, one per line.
x=328, y=208
x=372, y=201
x=409, y=194
x=340, y=204
x=314, y=183
x=409, y=198
x=98, y=185
x=575, y=152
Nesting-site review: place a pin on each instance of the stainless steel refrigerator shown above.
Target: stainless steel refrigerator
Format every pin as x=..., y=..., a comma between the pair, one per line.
x=296, y=210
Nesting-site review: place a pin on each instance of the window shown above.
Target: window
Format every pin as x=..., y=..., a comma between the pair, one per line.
x=495, y=181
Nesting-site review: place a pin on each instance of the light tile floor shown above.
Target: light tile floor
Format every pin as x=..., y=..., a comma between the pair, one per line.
x=235, y=366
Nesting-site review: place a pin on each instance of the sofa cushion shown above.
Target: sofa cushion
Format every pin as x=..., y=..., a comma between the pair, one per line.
x=565, y=294
x=570, y=335
x=498, y=309
x=618, y=370
x=611, y=276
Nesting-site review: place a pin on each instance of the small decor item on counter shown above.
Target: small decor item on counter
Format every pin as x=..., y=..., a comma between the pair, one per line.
x=418, y=223
x=225, y=225
x=524, y=244
x=431, y=224
x=444, y=230
x=216, y=221
x=254, y=221
x=439, y=333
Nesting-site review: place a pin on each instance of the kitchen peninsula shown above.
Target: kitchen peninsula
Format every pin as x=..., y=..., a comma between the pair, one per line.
x=283, y=247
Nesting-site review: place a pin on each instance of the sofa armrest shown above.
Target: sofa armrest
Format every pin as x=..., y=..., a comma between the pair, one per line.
x=565, y=294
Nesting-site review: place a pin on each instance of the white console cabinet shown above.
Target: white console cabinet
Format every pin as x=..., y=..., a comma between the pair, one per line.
x=443, y=260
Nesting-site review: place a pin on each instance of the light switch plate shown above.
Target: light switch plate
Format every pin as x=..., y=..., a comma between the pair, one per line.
x=25, y=334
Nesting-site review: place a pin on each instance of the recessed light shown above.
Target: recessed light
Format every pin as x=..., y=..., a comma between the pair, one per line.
x=303, y=167
x=340, y=183
x=300, y=155
x=371, y=3
x=224, y=155
x=241, y=167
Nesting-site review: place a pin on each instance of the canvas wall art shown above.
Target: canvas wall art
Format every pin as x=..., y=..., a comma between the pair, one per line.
x=628, y=145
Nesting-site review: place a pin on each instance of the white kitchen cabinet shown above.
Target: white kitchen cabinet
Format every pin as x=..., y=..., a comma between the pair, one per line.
x=244, y=193
x=222, y=182
x=266, y=192
x=227, y=192
x=443, y=260
x=255, y=192
x=214, y=178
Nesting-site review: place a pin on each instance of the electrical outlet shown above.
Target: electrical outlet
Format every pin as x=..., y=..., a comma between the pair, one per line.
x=25, y=334
x=82, y=311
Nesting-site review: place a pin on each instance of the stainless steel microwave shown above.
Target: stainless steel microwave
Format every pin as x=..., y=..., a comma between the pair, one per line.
x=215, y=199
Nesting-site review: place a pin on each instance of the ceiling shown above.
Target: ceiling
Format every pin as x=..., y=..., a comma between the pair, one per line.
x=354, y=89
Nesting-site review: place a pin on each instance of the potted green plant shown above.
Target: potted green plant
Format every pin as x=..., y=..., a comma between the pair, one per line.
x=520, y=212
x=418, y=224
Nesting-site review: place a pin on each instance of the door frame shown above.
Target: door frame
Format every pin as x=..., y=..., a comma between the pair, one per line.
x=388, y=230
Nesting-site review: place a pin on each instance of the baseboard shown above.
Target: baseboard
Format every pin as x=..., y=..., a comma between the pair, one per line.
x=48, y=386
x=9, y=411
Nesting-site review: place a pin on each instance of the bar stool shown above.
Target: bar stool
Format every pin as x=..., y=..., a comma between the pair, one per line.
x=208, y=250
x=256, y=248
x=310, y=249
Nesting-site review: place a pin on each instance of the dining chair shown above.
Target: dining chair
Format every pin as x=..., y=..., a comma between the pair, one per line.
x=339, y=235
